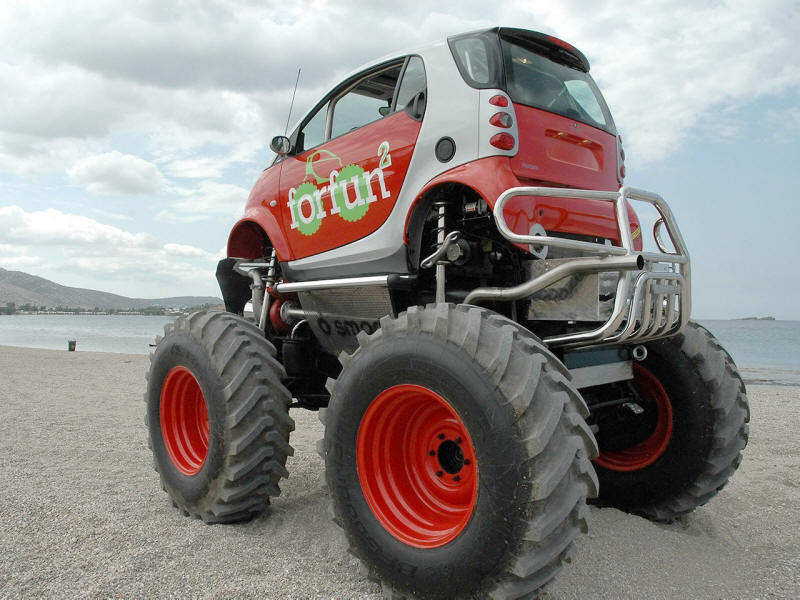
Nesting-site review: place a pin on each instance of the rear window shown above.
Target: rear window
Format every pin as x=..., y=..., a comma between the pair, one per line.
x=535, y=80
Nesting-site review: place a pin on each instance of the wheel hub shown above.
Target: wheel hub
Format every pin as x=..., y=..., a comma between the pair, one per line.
x=184, y=421
x=450, y=455
x=652, y=436
x=416, y=465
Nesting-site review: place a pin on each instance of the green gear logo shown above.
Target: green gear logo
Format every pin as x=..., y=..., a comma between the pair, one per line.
x=356, y=209
x=311, y=225
x=318, y=159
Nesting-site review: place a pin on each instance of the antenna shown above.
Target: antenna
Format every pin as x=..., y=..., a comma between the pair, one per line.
x=292, y=104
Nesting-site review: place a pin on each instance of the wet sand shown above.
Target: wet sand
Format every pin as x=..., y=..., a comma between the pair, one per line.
x=83, y=515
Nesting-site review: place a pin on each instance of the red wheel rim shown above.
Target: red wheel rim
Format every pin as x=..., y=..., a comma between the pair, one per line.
x=416, y=465
x=647, y=451
x=184, y=421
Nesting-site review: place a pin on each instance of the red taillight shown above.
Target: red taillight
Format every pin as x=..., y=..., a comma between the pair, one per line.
x=622, y=171
x=562, y=43
x=504, y=141
x=501, y=119
x=498, y=100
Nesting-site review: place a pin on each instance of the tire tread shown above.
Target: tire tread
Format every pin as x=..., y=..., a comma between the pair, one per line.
x=728, y=400
x=549, y=423
x=256, y=423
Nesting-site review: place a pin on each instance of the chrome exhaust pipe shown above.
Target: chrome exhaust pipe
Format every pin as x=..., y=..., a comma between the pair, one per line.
x=632, y=262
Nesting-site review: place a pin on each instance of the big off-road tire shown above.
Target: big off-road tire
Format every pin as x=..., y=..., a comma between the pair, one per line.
x=218, y=417
x=701, y=416
x=457, y=456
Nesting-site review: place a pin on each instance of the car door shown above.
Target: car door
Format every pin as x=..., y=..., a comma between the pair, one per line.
x=354, y=152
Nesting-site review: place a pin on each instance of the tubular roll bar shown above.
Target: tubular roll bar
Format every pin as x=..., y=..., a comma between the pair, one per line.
x=648, y=304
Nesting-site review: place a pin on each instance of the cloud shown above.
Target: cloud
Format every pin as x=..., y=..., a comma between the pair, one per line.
x=14, y=263
x=222, y=73
x=664, y=66
x=17, y=257
x=116, y=173
x=198, y=168
x=189, y=252
x=210, y=200
x=87, y=251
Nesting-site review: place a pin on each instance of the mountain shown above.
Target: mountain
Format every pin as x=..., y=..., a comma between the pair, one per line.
x=22, y=288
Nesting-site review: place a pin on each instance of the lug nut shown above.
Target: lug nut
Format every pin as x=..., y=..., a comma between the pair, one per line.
x=466, y=461
x=441, y=436
x=439, y=473
x=458, y=440
x=432, y=452
x=457, y=478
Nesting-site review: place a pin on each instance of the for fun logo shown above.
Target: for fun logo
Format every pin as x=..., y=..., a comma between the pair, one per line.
x=348, y=194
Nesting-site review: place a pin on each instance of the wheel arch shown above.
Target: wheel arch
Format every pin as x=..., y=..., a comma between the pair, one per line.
x=248, y=240
x=420, y=210
x=485, y=178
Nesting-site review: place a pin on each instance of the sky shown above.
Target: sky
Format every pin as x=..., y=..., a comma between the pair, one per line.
x=132, y=131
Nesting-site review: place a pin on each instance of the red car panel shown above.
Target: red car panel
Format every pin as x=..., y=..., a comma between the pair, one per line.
x=563, y=151
x=345, y=189
x=491, y=176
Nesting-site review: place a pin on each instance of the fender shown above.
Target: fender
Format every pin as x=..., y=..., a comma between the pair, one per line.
x=261, y=217
x=473, y=175
x=491, y=176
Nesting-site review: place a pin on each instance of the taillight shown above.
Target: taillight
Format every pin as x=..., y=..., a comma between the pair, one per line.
x=620, y=160
x=503, y=141
x=498, y=122
x=501, y=119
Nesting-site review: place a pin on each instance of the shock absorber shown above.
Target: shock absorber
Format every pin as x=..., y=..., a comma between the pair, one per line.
x=440, y=265
x=269, y=282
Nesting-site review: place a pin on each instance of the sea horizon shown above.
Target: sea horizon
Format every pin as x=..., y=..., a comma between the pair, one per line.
x=765, y=350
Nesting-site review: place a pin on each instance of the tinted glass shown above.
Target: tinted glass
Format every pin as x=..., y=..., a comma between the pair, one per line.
x=472, y=58
x=535, y=80
x=368, y=101
x=413, y=82
x=314, y=131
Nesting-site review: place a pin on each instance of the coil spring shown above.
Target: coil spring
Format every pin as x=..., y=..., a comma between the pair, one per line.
x=440, y=231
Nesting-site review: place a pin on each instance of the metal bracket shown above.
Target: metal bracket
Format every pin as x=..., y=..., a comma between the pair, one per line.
x=441, y=251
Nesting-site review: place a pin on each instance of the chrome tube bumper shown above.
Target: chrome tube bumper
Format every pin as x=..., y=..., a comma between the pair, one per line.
x=653, y=296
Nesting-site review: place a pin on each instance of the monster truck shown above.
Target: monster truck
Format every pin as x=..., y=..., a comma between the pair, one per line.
x=443, y=261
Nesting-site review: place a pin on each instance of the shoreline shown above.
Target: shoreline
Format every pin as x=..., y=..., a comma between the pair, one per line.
x=766, y=376
x=84, y=514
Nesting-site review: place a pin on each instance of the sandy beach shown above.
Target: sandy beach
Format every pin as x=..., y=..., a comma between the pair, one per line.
x=83, y=515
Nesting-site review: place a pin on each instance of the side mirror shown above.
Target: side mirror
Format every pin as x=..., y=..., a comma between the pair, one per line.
x=281, y=145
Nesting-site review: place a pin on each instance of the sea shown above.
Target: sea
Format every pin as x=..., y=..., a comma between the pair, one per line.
x=127, y=334
x=766, y=351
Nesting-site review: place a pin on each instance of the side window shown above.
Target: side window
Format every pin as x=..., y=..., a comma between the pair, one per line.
x=368, y=101
x=313, y=133
x=472, y=59
x=413, y=82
